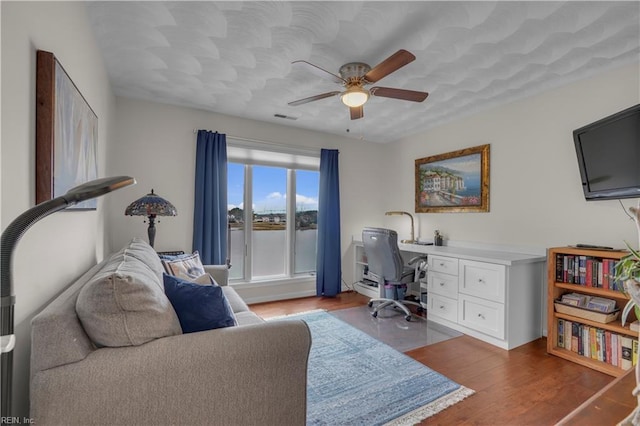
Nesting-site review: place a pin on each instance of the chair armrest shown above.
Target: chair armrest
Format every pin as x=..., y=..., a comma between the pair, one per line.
x=220, y=273
x=246, y=375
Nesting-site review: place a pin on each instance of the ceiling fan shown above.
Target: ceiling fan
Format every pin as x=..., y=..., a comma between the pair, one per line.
x=354, y=76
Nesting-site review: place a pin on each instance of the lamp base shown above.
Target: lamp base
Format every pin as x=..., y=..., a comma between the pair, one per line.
x=151, y=231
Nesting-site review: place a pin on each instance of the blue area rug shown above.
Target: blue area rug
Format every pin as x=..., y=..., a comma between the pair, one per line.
x=354, y=379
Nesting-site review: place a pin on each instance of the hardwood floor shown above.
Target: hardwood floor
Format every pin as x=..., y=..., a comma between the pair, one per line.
x=523, y=386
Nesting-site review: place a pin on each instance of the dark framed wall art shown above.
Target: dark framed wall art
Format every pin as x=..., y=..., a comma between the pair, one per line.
x=66, y=133
x=457, y=181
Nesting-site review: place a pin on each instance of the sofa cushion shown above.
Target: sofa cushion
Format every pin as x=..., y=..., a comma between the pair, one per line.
x=186, y=266
x=124, y=304
x=142, y=251
x=199, y=307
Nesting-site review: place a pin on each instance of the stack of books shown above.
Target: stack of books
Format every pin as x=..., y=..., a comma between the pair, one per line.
x=599, y=304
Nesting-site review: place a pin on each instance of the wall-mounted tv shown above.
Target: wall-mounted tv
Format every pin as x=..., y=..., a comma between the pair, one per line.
x=609, y=156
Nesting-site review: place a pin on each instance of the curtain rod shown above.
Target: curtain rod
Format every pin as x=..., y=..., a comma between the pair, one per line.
x=274, y=144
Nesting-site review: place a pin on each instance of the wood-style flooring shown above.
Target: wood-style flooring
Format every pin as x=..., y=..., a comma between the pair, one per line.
x=523, y=386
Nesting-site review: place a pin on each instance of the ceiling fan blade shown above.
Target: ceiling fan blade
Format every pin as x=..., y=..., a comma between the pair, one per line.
x=389, y=65
x=406, y=95
x=316, y=70
x=356, y=112
x=313, y=98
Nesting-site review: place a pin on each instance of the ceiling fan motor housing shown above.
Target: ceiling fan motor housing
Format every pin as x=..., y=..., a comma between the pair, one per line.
x=354, y=70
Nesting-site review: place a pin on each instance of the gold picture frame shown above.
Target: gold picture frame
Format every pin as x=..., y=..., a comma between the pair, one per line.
x=457, y=181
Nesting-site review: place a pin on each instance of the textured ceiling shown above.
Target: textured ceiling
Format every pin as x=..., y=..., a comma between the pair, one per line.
x=235, y=57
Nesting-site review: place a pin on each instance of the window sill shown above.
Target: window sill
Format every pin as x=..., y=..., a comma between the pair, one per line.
x=276, y=289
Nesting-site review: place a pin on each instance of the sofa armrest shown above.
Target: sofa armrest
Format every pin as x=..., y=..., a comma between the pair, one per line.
x=220, y=273
x=246, y=375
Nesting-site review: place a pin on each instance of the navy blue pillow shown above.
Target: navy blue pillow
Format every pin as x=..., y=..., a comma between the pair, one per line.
x=199, y=307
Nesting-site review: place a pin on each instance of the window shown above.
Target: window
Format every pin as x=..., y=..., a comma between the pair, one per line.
x=276, y=237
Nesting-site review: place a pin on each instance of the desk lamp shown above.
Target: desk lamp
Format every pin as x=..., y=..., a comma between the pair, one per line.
x=10, y=238
x=400, y=213
x=151, y=205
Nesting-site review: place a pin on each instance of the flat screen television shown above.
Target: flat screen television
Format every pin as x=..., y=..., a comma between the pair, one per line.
x=609, y=156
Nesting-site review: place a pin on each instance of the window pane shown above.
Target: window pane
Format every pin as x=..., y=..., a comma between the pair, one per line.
x=307, y=187
x=269, y=222
x=235, y=198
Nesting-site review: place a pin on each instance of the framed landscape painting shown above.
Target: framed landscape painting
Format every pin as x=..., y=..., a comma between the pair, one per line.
x=457, y=181
x=66, y=134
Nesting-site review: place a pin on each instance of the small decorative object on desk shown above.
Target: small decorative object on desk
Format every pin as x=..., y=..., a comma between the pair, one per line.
x=437, y=238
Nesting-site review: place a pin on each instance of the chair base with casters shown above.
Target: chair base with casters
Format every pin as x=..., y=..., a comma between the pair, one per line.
x=402, y=304
x=408, y=276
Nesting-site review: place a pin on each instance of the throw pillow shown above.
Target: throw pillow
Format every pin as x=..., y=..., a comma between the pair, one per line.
x=124, y=304
x=199, y=307
x=186, y=266
x=205, y=279
x=142, y=251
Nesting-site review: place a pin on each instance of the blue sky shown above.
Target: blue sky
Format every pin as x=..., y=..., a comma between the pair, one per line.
x=270, y=188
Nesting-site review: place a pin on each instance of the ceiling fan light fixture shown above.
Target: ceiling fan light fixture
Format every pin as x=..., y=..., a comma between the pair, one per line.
x=354, y=96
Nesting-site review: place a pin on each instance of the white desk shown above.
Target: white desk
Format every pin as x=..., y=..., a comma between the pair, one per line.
x=495, y=296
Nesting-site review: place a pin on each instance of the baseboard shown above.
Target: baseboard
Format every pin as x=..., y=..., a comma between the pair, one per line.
x=280, y=296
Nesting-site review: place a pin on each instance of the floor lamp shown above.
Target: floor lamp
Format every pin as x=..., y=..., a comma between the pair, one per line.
x=10, y=238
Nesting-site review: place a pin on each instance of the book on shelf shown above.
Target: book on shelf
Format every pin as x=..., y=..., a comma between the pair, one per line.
x=627, y=352
x=598, y=344
x=601, y=304
x=575, y=299
x=586, y=271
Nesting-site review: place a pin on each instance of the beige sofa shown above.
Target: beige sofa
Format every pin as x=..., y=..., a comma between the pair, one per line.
x=249, y=374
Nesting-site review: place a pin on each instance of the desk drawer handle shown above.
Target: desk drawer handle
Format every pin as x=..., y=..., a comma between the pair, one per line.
x=481, y=280
x=442, y=284
x=441, y=306
x=481, y=316
x=442, y=263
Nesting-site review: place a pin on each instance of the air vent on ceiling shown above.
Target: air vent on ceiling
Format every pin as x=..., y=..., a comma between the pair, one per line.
x=288, y=117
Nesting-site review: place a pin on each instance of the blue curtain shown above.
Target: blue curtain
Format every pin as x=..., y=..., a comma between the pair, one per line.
x=328, y=261
x=210, y=206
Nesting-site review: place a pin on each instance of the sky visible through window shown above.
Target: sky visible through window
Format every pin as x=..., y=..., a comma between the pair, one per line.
x=269, y=188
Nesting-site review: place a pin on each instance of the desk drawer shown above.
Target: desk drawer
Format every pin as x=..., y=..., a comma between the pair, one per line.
x=481, y=315
x=485, y=280
x=443, y=284
x=446, y=265
x=443, y=307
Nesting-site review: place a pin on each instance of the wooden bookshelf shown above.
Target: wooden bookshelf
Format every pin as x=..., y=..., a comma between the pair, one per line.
x=556, y=276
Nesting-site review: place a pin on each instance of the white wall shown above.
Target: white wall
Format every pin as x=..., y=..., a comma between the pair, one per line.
x=155, y=144
x=536, y=198
x=62, y=246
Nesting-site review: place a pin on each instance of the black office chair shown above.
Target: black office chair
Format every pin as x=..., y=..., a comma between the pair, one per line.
x=385, y=263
